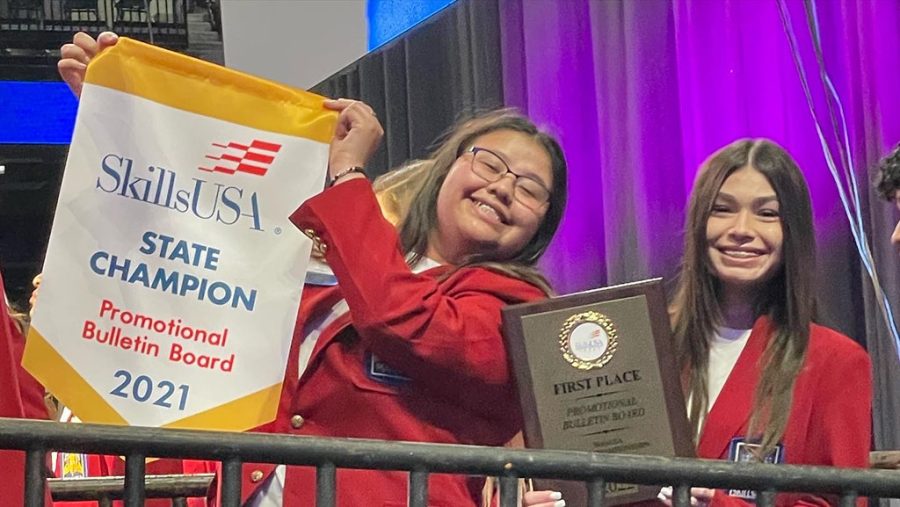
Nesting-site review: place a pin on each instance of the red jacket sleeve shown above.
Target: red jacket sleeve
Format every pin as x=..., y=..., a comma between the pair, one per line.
x=24, y=395
x=446, y=335
x=11, y=401
x=11, y=346
x=842, y=417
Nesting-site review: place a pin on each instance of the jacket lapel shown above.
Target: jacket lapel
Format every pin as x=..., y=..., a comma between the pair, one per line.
x=313, y=299
x=731, y=412
x=329, y=334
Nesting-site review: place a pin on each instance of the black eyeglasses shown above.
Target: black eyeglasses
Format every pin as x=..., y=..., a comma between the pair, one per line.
x=491, y=167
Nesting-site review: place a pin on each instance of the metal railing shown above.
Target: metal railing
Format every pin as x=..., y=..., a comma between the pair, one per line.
x=104, y=490
x=46, y=24
x=36, y=438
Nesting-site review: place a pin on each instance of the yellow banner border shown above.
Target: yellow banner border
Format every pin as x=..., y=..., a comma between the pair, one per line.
x=204, y=88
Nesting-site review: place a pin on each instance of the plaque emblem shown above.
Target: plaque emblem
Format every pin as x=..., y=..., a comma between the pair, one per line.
x=588, y=340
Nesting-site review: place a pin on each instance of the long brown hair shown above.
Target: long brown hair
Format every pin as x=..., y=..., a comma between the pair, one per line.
x=787, y=299
x=20, y=319
x=421, y=218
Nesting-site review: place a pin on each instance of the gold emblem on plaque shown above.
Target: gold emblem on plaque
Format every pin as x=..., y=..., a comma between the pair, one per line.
x=588, y=340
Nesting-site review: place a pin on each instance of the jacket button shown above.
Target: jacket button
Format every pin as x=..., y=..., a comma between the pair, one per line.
x=318, y=246
x=297, y=421
x=256, y=476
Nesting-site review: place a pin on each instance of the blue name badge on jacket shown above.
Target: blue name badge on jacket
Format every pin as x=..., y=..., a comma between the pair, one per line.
x=741, y=451
x=381, y=372
x=319, y=273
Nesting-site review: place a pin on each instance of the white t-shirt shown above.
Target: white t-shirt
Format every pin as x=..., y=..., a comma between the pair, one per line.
x=724, y=351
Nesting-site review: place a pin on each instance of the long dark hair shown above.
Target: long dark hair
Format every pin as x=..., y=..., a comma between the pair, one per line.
x=421, y=218
x=787, y=299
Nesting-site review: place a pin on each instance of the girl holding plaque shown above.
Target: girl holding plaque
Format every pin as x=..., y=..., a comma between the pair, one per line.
x=764, y=382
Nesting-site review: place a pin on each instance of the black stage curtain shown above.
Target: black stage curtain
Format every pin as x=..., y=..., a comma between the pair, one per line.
x=421, y=82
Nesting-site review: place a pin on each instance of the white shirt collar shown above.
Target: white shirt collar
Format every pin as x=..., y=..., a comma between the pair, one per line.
x=320, y=273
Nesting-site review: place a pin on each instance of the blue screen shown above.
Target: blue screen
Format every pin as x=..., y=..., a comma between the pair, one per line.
x=36, y=112
x=390, y=18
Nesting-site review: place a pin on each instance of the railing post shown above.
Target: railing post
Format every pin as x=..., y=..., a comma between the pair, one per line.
x=596, y=490
x=418, y=488
x=135, y=465
x=509, y=491
x=231, y=482
x=765, y=498
x=326, y=482
x=682, y=496
x=109, y=14
x=848, y=498
x=34, y=477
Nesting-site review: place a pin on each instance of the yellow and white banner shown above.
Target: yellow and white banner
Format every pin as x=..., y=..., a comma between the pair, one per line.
x=173, y=276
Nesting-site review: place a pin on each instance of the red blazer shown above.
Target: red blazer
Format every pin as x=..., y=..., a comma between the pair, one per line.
x=831, y=412
x=20, y=396
x=419, y=357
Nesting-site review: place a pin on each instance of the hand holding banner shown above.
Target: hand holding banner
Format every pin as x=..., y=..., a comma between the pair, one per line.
x=173, y=276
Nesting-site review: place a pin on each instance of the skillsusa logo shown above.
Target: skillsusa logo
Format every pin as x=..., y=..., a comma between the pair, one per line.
x=224, y=203
x=254, y=158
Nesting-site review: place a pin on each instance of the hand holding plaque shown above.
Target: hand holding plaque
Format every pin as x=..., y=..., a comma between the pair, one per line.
x=596, y=372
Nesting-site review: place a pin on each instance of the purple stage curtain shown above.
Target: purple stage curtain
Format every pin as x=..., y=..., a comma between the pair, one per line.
x=641, y=92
